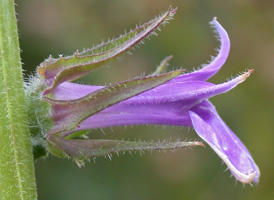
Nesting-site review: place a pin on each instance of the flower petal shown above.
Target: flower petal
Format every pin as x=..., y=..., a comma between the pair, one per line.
x=210, y=127
x=162, y=93
x=187, y=91
x=215, y=65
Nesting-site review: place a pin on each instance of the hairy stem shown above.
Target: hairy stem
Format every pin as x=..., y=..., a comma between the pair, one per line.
x=17, y=179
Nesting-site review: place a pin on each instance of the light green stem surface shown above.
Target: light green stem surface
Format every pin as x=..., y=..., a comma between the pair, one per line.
x=17, y=179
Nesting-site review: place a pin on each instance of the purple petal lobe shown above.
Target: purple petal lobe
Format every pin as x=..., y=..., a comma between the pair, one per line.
x=215, y=65
x=210, y=127
x=162, y=93
x=187, y=91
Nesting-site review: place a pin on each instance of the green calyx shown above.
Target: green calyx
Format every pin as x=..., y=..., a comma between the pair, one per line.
x=38, y=111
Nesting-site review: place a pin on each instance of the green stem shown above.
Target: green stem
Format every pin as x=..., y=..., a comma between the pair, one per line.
x=17, y=179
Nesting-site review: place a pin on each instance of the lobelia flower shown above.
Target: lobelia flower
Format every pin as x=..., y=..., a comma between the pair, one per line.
x=165, y=99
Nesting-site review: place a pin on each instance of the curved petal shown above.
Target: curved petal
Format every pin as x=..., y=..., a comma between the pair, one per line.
x=167, y=92
x=210, y=127
x=215, y=65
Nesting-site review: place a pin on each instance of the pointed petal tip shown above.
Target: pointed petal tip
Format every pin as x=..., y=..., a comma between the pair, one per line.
x=244, y=76
x=250, y=72
x=244, y=176
x=210, y=69
x=214, y=21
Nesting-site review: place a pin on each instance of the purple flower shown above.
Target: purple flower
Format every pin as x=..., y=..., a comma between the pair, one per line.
x=165, y=99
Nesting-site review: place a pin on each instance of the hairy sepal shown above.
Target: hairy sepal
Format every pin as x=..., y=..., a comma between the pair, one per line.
x=80, y=150
x=67, y=115
x=57, y=71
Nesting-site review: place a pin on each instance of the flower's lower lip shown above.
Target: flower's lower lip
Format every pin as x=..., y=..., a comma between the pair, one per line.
x=210, y=127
